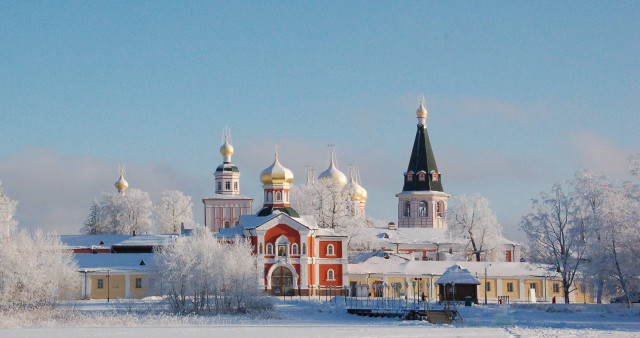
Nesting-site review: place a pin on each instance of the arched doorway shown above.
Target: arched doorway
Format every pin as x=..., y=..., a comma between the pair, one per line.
x=282, y=282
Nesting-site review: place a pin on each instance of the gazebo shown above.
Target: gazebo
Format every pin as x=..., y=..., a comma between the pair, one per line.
x=456, y=284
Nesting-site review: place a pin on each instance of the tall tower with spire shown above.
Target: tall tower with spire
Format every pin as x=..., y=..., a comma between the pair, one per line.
x=223, y=209
x=422, y=202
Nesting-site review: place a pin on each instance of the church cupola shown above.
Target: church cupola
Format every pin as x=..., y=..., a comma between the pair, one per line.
x=227, y=175
x=422, y=202
x=333, y=175
x=121, y=184
x=276, y=182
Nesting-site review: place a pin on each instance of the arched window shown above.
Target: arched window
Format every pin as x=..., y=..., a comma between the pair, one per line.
x=422, y=210
x=407, y=209
x=304, y=248
x=330, y=251
x=409, y=177
x=269, y=249
x=440, y=209
x=219, y=186
x=260, y=249
x=294, y=249
x=227, y=185
x=330, y=275
x=278, y=196
x=421, y=176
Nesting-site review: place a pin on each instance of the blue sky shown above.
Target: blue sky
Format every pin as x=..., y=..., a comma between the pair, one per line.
x=520, y=94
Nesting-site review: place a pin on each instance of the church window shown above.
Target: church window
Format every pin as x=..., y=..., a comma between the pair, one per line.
x=260, y=249
x=100, y=283
x=227, y=185
x=423, y=209
x=421, y=177
x=440, y=209
x=409, y=177
x=278, y=196
x=235, y=185
x=219, y=186
x=237, y=222
x=435, y=176
x=304, y=248
x=269, y=197
x=269, y=249
x=330, y=251
x=407, y=209
x=282, y=250
x=330, y=275
x=226, y=224
x=294, y=249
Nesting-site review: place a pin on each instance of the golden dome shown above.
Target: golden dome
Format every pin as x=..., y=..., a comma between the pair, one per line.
x=334, y=175
x=276, y=174
x=226, y=149
x=356, y=191
x=422, y=111
x=121, y=183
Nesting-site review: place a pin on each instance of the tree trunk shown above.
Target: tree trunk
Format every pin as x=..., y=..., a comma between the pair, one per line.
x=623, y=283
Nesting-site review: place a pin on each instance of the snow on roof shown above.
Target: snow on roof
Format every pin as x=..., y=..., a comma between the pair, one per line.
x=377, y=257
x=228, y=197
x=457, y=275
x=494, y=269
x=413, y=235
x=88, y=241
x=236, y=231
x=254, y=221
x=115, y=262
x=147, y=240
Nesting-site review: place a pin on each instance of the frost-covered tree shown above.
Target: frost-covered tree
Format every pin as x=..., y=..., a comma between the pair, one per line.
x=122, y=214
x=332, y=208
x=94, y=224
x=174, y=209
x=35, y=270
x=200, y=274
x=472, y=218
x=592, y=191
x=556, y=234
x=7, y=210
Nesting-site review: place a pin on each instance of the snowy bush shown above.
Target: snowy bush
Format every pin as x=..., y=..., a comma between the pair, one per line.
x=120, y=214
x=199, y=274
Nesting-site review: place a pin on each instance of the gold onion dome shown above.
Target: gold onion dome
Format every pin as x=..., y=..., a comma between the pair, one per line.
x=226, y=149
x=357, y=192
x=121, y=183
x=276, y=174
x=334, y=174
x=422, y=111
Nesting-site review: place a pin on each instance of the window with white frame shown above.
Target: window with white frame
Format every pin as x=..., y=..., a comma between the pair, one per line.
x=138, y=283
x=330, y=251
x=219, y=186
x=440, y=209
x=409, y=177
x=488, y=286
x=235, y=185
x=509, y=287
x=260, y=248
x=330, y=275
x=407, y=209
x=294, y=249
x=556, y=287
x=227, y=185
x=278, y=196
x=304, y=248
x=100, y=283
x=269, y=249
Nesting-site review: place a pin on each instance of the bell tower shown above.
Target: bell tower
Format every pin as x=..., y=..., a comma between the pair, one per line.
x=422, y=202
x=223, y=209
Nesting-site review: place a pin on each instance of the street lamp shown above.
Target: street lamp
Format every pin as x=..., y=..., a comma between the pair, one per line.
x=108, y=284
x=485, y=282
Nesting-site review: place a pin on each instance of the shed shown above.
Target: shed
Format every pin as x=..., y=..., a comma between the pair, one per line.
x=456, y=284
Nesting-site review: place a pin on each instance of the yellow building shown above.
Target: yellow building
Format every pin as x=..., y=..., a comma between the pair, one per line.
x=509, y=281
x=113, y=276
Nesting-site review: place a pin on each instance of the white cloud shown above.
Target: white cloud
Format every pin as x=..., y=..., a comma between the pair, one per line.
x=599, y=152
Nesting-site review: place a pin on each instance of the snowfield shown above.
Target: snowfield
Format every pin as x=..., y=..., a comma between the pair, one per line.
x=314, y=318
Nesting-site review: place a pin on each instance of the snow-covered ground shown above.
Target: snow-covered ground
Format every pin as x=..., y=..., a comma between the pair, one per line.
x=315, y=318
